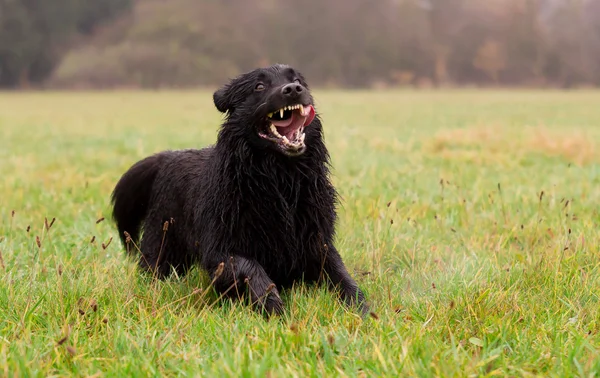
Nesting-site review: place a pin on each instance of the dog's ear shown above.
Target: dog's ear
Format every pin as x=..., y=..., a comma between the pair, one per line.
x=222, y=98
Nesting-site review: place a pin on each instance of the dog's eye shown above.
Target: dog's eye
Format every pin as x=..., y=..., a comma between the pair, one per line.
x=259, y=87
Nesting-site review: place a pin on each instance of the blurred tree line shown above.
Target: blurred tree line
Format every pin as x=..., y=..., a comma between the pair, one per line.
x=352, y=43
x=35, y=34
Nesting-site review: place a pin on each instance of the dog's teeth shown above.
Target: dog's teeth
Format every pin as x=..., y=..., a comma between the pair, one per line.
x=274, y=131
x=302, y=136
x=285, y=140
x=281, y=113
x=301, y=109
x=270, y=115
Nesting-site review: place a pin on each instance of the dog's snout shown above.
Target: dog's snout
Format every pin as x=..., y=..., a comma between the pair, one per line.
x=292, y=90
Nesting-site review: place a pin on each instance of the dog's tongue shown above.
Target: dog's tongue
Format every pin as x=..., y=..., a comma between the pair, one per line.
x=297, y=120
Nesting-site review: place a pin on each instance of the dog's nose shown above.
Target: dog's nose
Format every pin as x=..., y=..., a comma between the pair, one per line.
x=292, y=90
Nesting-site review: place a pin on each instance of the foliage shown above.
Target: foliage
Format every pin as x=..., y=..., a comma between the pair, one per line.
x=34, y=34
x=351, y=43
x=469, y=217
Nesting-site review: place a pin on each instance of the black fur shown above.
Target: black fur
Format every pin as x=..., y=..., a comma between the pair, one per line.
x=269, y=217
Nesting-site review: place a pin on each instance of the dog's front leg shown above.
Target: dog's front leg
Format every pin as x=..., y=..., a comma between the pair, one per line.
x=241, y=275
x=341, y=281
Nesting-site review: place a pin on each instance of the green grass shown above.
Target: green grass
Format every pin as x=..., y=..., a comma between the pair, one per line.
x=469, y=268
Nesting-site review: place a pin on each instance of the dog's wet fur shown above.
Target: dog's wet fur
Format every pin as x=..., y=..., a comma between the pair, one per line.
x=255, y=212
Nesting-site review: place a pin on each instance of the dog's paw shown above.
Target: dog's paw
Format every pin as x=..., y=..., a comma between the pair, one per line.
x=270, y=303
x=355, y=298
x=274, y=305
x=364, y=309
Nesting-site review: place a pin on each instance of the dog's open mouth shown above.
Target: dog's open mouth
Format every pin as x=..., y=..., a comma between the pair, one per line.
x=286, y=127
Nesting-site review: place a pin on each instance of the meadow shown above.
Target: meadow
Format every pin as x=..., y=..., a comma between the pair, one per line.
x=470, y=219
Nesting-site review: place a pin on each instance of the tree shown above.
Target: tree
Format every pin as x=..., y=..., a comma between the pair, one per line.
x=34, y=34
x=491, y=59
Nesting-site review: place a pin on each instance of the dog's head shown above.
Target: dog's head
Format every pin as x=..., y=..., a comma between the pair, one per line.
x=272, y=105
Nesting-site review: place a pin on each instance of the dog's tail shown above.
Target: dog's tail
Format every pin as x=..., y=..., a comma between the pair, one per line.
x=131, y=196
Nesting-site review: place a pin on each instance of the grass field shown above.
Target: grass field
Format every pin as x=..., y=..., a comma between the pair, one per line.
x=469, y=218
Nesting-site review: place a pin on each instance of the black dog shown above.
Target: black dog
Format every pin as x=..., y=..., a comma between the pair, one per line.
x=256, y=210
